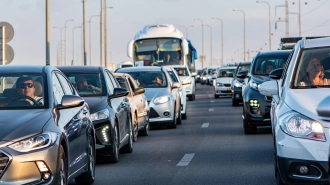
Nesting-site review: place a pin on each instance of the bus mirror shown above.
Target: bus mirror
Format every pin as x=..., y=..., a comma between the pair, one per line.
x=185, y=47
x=130, y=47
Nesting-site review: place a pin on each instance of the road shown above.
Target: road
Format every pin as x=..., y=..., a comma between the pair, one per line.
x=210, y=144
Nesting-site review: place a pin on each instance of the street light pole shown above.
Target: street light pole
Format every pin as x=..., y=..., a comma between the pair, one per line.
x=65, y=40
x=60, y=42
x=210, y=39
x=73, y=44
x=186, y=27
x=244, y=31
x=269, y=20
x=202, y=41
x=47, y=34
x=101, y=46
x=106, y=33
x=84, y=30
x=221, y=38
x=90, y=39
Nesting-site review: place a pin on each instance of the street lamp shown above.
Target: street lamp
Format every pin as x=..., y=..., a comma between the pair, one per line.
x=210, y=39
x=221, y=38
x=73, y=43
x=186, y=29
x=60, y=41
x=47, y=34
x=90, y=38
x=202, y=41
x=65, y=39
x=106, y=33
x=270, y=38
x=244, y=29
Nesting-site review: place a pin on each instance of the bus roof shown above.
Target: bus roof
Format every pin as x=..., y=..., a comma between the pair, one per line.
x=157, y=30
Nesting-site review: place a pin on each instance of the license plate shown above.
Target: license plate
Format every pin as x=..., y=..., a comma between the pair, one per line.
x=229, y=88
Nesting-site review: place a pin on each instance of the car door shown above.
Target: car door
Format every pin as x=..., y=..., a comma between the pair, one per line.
x=139, y=100
x=71, y=121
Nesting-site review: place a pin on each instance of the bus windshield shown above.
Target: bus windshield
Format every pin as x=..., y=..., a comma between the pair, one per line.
x=158, y=52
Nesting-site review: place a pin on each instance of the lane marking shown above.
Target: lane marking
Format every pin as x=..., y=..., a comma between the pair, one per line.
x=212, y=101
x=210, y=96
x=205, y=125
x=211, y=109
x=186, y=159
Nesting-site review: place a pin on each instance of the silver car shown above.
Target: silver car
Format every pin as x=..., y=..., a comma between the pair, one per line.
x=223, y=80
x=164, y=103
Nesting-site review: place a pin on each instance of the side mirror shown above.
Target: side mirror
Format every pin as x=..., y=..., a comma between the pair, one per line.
x=71, y=101
x=230, y=75
x=276, y=73
x=242, y=74
x=323, y=108
x=176, y=85
x=186, y=82
x=130, y=49
x=268, y=88
x=139, y=90
x=118, y=92
x=214, y=76
x=193, y=74
x=184, y=45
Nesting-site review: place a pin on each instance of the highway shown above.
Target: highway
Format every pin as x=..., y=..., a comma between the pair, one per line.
x=208, y=148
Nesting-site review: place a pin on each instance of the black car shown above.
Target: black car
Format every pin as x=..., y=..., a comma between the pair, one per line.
x=198, y=76
x=110, y=109
x=256, y=107
x=45, y=128
x=237, y=83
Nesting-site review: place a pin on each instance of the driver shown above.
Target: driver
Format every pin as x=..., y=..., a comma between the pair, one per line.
x=25, y=87
x=82, y=84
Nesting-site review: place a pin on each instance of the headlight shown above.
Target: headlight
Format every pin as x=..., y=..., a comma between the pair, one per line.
x=219, y=84
x=160, y=100
x=103, y=114
x=209, y=77
x=254, y=85
x=238, y=84
x=298, y=125
x=204, y=78
x=34, y=143
x=198, y=76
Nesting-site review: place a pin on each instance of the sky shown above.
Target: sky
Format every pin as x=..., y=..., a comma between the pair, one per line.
x=127, y=17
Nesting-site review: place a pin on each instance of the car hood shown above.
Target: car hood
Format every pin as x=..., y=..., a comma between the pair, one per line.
x=225, y=80
x=184, y=78
x=96, y=103
x=152, y=93
x=305, y=101
x=18, y=124
x=260, y=79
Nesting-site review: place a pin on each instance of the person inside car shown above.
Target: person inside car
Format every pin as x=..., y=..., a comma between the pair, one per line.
x=158, y=80
x=180, y=72
x=224, y=74
x=314, y=73
x=82, y=84
x=268, y=67
x=25, y=86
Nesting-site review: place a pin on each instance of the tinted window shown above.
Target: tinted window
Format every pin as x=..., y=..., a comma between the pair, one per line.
x=225, y=72
x=109, y=83
x=122, y=82
x=182, y=71
x=114, y=82
x=57, y=89
x=66, y=86
x=243, y=68
x=149, y=79
x=263, y=65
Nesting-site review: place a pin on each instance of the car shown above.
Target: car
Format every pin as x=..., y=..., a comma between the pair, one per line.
x=109, y=107
x=207, y=75
x=188, y=82
x=300, y=114
x=222, y=81
x=237, y=83
x=175, y=78
x=45, y=128
x=138, y=103
x=256, y=107
x=198, y=76
x=164, y=103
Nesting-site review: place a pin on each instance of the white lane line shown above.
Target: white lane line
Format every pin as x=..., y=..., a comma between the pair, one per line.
x=212, y=101
x=205, y=125
x=211, y=109
x=186, y=159
x=210, y=96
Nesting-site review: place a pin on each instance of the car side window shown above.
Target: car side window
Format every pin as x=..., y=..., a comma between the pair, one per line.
x=65, y=84
x=109, y=83
x=286, y=65
x=114, y=81
x=132, y=83
x=57, y=89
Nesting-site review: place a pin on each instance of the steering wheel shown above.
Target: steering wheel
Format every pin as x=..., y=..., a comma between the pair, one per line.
x=23, y=97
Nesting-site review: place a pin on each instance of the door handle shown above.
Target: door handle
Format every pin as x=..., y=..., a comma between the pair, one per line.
x=75, y=119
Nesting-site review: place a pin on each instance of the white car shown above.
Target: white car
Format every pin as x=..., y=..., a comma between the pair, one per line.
x=300, y=114
x=223, y=80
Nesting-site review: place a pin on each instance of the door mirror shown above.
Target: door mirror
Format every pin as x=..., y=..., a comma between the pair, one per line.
x=71, y=101
x=323, y=108
x=176, y=85
x=268, y=88
x=118, y=92
x=193, y=74
x=242, y=74
x=276, y=73
x=130, y=49
x=184, y=45
x=139, y=90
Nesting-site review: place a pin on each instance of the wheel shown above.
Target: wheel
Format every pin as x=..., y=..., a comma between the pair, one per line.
x=278, y=178
x=89, y=176
x=247, y=128
x=135, y=128
x=174, y=123
x=145, y=130
x=62, y=165
x=193, y=97
x=216, y=96
x=179, y=121
x=234, y=102
x=115, y=155
x=128, y=148
x=184, y=116
x=190, y=98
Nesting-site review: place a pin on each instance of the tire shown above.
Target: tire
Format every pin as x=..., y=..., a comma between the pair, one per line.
x=62, y=166
x=184, y=116
x=135, y=128
x=190, y=98
x=279, y=179
x=179, y=121
x=114, y=157
x=247, y=128
x=89, y=176
x=145, y=130
x=234, y=102
x=193, y=97
x=216, y=96
x=174, y=123
x=128, y=148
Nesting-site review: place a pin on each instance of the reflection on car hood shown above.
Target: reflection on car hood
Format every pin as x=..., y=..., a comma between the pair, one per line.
x=17, y=124
x=260, y=79
x=225, y=80
x=184, y=78
x=96, y=103
x=305, y=101
x=152, y=93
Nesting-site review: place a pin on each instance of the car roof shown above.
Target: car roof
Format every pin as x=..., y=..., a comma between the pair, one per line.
x=175, y=66
x=268, y=53
x=311, y=43
x=136, y=69
x=244, y=63
x=227, y=67
x=22, y=68
x=80, y=68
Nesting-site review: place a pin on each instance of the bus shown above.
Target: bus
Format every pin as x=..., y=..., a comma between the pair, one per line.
x=161, y=44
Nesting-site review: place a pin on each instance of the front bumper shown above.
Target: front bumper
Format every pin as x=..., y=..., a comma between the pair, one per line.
x=237, y=94
x=103, y=132
x=222, y=90
x=161, y=113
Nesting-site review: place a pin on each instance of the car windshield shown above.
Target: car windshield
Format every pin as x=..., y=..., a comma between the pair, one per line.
x=87, y=84
x=225, y=73
x=243, y=68
x=263, y=65
x=122, y=82
x=313, y=70
x=182, y=71
x=149, y=79
x=211, y=71
x=22, y=91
